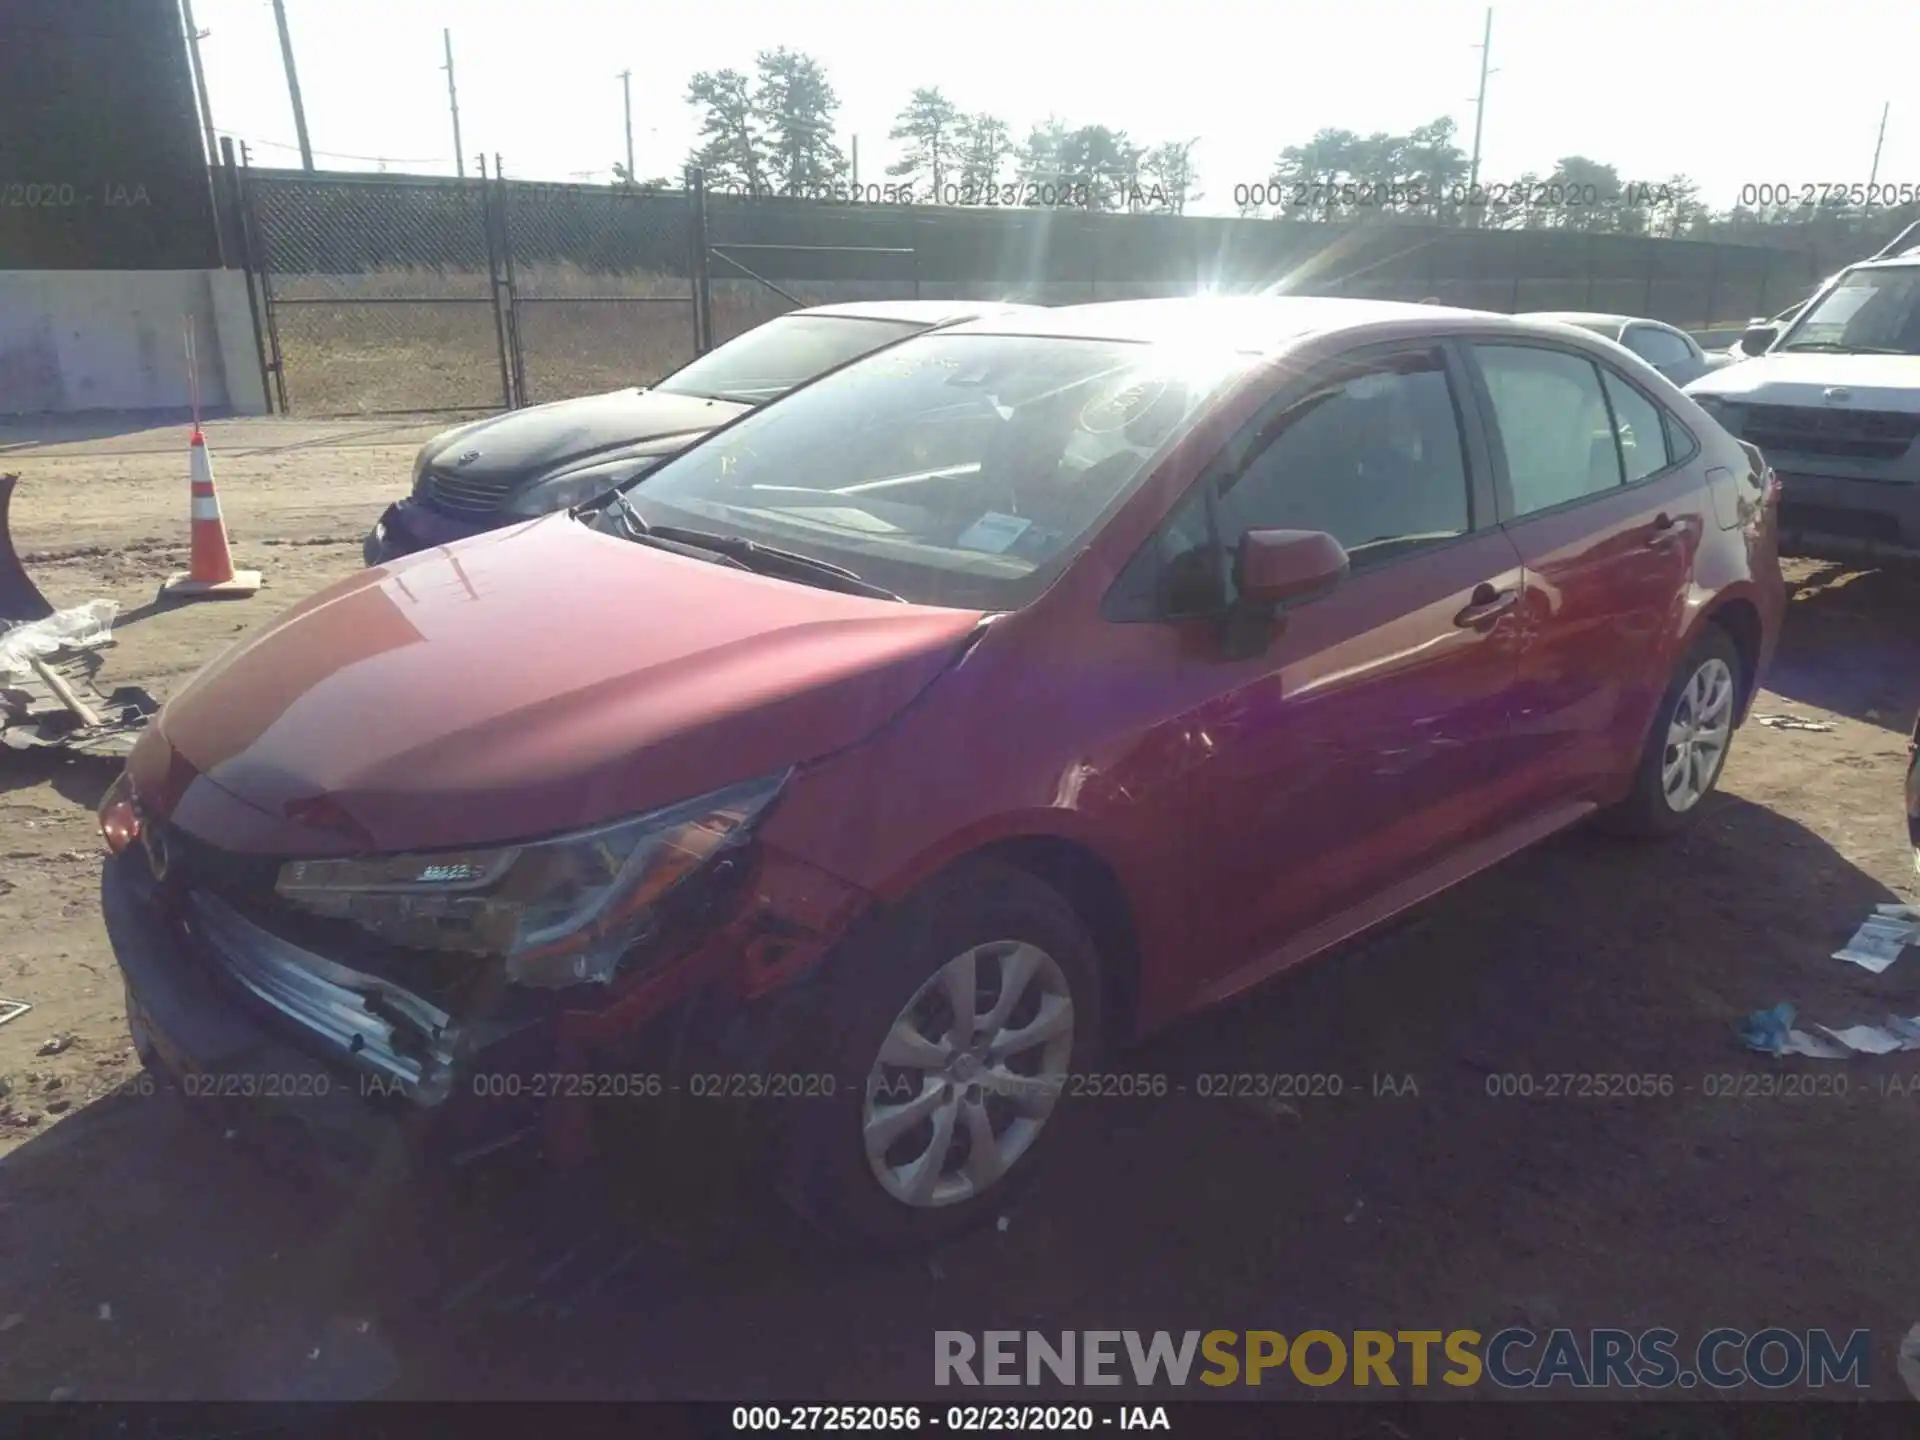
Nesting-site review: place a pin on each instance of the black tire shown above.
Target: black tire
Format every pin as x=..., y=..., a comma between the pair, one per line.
x=824, y=1172
x=1646, y=812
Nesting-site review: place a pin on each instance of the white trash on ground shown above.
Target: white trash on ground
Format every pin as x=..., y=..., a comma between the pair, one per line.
x=1792, y=722
x=80, y=628
x=1882, y=937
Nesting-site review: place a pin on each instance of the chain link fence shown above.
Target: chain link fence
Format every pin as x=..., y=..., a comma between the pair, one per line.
x=391, y=294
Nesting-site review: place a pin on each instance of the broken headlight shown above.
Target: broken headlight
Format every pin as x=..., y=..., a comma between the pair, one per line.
x=558, y=912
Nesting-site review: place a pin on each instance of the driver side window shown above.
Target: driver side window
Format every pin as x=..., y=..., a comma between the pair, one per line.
x=1373, y=456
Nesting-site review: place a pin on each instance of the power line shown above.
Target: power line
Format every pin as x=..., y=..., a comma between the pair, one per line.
x=342, y=155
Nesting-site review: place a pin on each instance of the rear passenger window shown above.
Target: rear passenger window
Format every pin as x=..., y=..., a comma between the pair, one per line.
x=1643, y=436
x=1552, y=422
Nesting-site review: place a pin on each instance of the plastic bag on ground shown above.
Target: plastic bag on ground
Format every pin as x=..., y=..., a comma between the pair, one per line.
x=78, y=628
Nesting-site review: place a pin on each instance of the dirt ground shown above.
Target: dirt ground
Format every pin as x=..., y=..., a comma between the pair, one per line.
x=144, y=1256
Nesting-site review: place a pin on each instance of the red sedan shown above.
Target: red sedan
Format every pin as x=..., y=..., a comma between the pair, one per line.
x=886, y=758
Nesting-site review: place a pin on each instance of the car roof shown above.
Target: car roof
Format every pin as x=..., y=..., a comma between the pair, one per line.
x=915, y=312
x=1256, y=324
x=1906, y=258
x=1586, y=318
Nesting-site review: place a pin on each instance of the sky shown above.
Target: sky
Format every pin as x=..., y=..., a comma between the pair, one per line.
x=1730, y=94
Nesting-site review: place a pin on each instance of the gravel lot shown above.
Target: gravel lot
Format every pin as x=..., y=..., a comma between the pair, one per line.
x=143, y=1256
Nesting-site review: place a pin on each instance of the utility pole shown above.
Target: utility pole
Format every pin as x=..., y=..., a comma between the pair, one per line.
x=626, y=92
x=1479, y=116
x=194, y=36
x=856, y=164
x=1874, y=173
x=293, y=85
x=453, y=104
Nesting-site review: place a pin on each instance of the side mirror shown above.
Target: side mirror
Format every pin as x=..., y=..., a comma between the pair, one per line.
x=1758, y=338
x=1275, y=566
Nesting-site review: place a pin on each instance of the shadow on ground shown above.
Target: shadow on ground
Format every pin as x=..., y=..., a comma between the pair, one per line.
x=1851, y=644
x=1384, y=1164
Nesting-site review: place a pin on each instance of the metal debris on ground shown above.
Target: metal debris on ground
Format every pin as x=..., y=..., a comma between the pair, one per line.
x=48, y=694
x=1882, y=937
x=13, y=1009
x=55, y=1045
x=1792, y=722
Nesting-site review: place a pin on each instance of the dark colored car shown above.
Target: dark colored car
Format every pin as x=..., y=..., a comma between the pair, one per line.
x=884, y=759
x=514, y=466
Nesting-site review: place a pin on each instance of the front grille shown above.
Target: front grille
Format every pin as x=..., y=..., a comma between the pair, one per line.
x=459, y=494
x=1848, y=434
x=194, y=864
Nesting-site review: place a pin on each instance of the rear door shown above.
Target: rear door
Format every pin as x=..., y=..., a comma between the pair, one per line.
x=1595, y=490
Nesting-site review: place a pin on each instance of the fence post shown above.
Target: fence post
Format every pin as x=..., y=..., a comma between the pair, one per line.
x=514, y=352
x=701, y=277
x=1592, y=245
x=1713, y=289
x=1653, y=264
x=249, y=265
x=488, y=221
x=1519, y=245
x=250, y=228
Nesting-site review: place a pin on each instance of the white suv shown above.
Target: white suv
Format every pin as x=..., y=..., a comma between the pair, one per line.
x=1834, y=403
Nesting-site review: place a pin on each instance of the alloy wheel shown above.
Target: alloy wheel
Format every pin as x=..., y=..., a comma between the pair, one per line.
x=968, y=1074
x=1697, y=736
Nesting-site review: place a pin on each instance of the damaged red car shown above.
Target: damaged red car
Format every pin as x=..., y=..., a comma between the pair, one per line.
x=887, y=758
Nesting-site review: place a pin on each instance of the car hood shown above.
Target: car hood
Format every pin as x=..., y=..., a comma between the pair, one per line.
x=1878, y=382
x=525, y=682
x=547, y=439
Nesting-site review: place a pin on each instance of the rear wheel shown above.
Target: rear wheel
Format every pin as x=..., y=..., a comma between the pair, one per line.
x=953, y=1025
x=1686, y=749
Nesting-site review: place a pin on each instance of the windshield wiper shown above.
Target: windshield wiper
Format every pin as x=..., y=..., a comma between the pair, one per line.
x=771, y=560
x=747, y=554
x=1839, y=349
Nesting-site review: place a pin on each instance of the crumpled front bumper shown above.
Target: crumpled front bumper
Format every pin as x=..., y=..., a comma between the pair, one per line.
x=242, y=1023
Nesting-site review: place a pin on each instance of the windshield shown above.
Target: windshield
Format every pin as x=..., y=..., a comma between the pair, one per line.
x=954, y=469
x=1868, y=312
x=771, y=359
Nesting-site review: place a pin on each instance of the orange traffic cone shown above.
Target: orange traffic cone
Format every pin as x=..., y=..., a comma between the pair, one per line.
x=212, y=575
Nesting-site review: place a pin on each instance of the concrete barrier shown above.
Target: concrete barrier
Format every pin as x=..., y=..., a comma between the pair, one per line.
x=74, y=340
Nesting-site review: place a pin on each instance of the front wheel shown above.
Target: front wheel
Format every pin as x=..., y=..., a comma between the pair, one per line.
x=1686, y=749
x=960, y=1018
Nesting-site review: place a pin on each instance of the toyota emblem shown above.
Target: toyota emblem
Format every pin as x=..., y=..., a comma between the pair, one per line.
x=468, y=458
x=1837, y=394
x=159, y=858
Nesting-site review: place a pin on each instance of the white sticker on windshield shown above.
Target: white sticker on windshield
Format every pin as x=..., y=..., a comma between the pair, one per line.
x=993, y=532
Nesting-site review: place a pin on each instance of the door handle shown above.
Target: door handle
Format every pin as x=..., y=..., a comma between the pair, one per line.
x=1487, y=605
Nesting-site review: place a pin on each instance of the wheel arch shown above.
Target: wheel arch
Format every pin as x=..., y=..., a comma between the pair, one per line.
x=1739, y=617
x=1091, y=885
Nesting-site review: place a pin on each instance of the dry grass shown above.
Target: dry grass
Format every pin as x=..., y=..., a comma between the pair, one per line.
x=420, y=339
x=412, y=340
